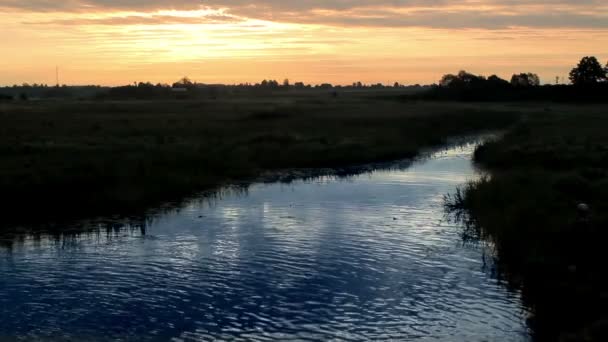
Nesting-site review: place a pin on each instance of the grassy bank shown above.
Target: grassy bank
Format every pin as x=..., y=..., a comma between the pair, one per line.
x=91, y=158
x=528, y=208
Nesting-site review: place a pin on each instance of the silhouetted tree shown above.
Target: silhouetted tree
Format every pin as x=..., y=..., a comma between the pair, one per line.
x=497, y=81
x=286, y=83
x=467, y=77
x=463, y=79
x=184, y=82
x=525, y=80
x=588, y=71
x=448, y=80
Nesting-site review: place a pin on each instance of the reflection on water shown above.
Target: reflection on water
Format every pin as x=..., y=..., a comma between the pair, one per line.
x=366, y=257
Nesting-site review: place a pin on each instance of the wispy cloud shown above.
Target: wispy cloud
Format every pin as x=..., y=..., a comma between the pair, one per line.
x=117, y=41
x=140, y=19
x=489, y=14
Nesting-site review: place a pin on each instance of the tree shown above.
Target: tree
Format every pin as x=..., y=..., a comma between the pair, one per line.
x=588, y=71
x=467, y=77
x=448, y=80
x=286, y=83
x=461, y=80
x=497, y=81
x=525, y=80
x=184, y=82
x=533, y=79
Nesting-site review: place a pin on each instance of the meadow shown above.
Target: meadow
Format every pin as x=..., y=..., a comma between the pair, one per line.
x=68, y=158
x=544, y=208
x=71, y=159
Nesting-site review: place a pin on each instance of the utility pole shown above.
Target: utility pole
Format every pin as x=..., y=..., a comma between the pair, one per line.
x=57, y=76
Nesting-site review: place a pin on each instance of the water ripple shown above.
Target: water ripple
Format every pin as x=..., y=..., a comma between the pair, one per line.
x=366, y=259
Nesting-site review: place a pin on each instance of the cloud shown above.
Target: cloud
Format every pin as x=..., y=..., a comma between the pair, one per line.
x=154, y=19
x=462, y=20
x=273, y=5
x=487, y=14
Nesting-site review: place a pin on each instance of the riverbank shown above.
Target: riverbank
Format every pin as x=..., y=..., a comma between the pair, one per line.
x=369, y=258
x=89, y=158
x=544, y=206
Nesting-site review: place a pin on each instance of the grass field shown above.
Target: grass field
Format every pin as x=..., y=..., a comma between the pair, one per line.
x=548, y=246
x=63, y=159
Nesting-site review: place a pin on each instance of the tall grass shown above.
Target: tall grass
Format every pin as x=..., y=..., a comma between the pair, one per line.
x=529, y=209
x=64, y=158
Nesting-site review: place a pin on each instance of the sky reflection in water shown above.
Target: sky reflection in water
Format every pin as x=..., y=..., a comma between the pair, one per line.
x=369, y=257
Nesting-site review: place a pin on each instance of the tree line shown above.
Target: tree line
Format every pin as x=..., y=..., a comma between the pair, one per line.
x=588, y=74
x=589, y=71
x=588, y=83
x=184, y=88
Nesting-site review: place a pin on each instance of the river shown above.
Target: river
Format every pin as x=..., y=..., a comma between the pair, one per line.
x=365, y=257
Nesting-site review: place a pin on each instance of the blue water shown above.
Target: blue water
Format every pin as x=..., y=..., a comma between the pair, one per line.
x=370, y=257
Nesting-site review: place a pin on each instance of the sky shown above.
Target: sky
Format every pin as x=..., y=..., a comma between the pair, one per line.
x=115, y=42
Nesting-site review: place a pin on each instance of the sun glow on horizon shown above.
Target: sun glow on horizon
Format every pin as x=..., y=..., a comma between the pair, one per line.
x=226, y=45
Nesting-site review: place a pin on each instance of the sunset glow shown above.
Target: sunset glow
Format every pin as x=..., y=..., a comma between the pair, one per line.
x=117, y=42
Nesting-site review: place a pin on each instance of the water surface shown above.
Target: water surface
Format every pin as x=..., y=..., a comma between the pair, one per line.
x=370, y=257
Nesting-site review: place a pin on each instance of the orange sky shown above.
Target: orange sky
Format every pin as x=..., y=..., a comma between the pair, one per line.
x=115, y=42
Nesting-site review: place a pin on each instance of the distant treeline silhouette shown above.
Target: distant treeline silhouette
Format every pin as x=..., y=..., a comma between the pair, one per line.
x=186, y=89
x=588, y=79
x=32, y=91
x=588, y=82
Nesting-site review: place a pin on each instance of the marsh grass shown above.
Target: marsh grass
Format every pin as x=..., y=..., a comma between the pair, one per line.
x=82, y=158
x=528, y=208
